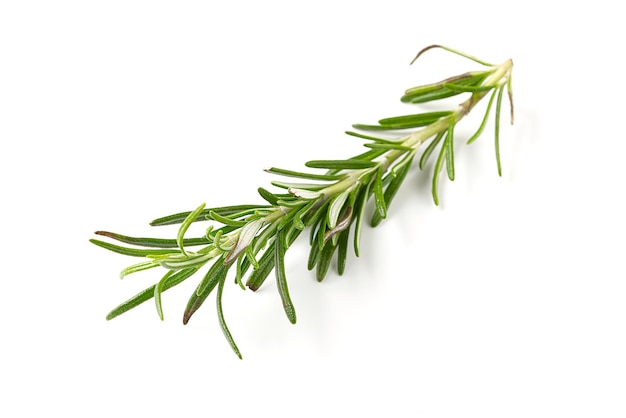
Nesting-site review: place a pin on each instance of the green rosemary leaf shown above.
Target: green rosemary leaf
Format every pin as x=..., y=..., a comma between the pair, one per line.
x=134, y=252
x=449, y=144
x=340, y=164
x=225, y=220
x=258, y=212
x=428, y=93
x=365, y=127
x=204, y=289
x=139, y=267
x=509, y=91
x=299, y=174
x=438, y=91
x=220, y=314
x=245, y=265
x=342, y=254
x=370, y=138
x=147, y=294
x=293, y=203
x=325, y=258
x=291, y=235
x=298, y=221
x=314, y=255
x=239, y=271
x=356, y=189
x=224, y=211
x=438, y=166
x=480, y=129
x=413, y=121
x=314, y=222
x=379, y=197
x=497, y=130
x=251, y=258
x=369, y=155
x=388, y=146
x=211, y=277
x=466, y=89
x=391, y=190
x=306, y=186
x=359, y=219
x=429, y=149
x=322, y=232
x=317, y=228
x=180, y=261
x=217, y=241
x=152, y=242
x=268, y=196
x=185, y=225
x=158, y=289
x=259, y=274
x=281, y=278
x=212, y=233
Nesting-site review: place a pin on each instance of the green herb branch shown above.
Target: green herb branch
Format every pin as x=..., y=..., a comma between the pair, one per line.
x=250, y=241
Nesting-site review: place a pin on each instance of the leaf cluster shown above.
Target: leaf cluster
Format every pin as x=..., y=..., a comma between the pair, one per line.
x=249, y=242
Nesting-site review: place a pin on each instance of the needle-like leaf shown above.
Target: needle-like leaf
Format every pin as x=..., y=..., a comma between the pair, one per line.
x=414, y=121
x=391, y=190
x=387, y=146
x=509, y=90
x=220, y=314
x=484, y=121
x=158, y=289
x=341, y=164
x=370, y=138
x=429, y=149
x=147, y=294
x=497, y=130
x=359, y=220
x=224, y=211
x=146, y=265
x=152, y=242
x=269, y=197
x=438, y=91
x=302, y=175
x=211, y=277
x=379, y=197
x=225, y=220
x=281, y=278
x=449, y=143
x=134, y=252
x=326, y=257
x=259, y=274
x=185, y=225
x=466, y=89
x=342, y=254
x=438, y=166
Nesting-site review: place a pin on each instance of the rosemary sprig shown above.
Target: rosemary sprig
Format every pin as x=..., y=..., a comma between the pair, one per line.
x=331, y=203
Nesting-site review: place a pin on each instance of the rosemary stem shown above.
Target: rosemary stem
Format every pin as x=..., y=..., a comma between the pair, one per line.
x=328, y=205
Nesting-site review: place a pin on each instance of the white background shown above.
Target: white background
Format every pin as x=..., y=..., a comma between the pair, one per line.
x=507, y=300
